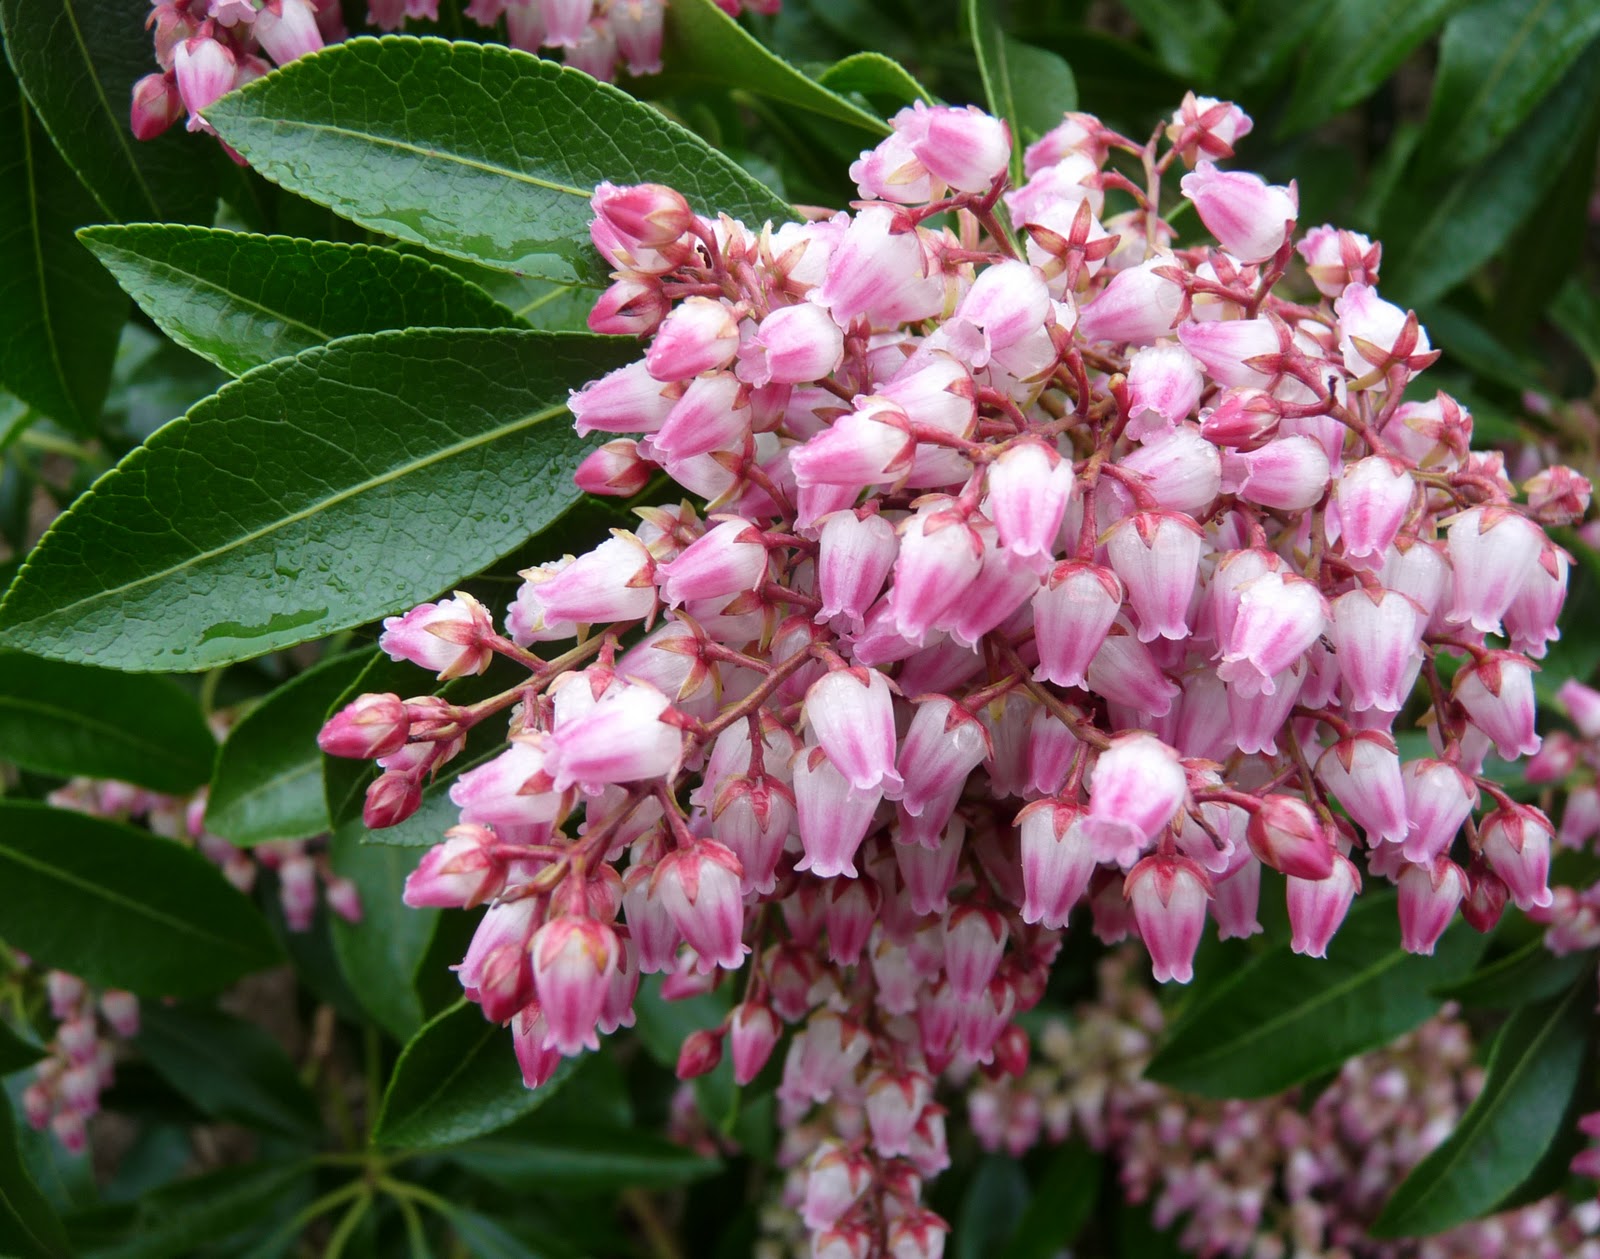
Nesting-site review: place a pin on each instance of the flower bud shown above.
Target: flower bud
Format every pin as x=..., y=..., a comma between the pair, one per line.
x=1251, y=218
x=1286, y=835
x=368, y=727
x=1168, y=897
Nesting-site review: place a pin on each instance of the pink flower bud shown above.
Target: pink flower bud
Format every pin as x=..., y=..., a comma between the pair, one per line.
x=648, y=215
x=156, y=105
x=975, y=941
x=700, y=335
x=1251, y=218
x=530, y=1037
x=622, y=738
x=878, y=273
x=850, y=713
x=1486, y=897
x=1492, y=550
x=730, y=559
x=1242, y=418
x=1378, y=637
x=1029, y=488
x=1124, y=672
x=205, y=71
x=1288, y=474
x=1057, y=860
x=121, y=1010
x=1168, y=897
x=1286, y=835
x=833, y=818
x=1439, y=798
x=835, y=1179
x=1136, y=308
x=1205, y=125
x=940, y=557
x=573, y=960
x=1180, y=470
x=943, y=744
x=628, y=400
x=66, y=993
x=1429, y=896
x=1497, y=692
x=613, y=471
x=852, y=908
x=1278, y=618
x=1336, y=259
x=1317, y=907
x=1072, y=613
x=615, y=582
x=895, y=1101
x=1533, y=619
x=1375, y=335
x=1363, y=773
x=632, y=306
x=792, y=345
x=287, y=29
x=1135, y=789
x=460, y=873
x=1233, y=350
x=68, y=1128
x=753, y=1031
x=855, y=555
x=513, y=789
x=450, y=638
x=1157, y=556
x=700, y=1054
x=496, y=973
x=391, y=799
x=699, y=887
x=1582, y=704
x=963, y=147
x=1516, y=843
x=871, y=445
x=822, y=1057
x=1558, y=495
x=1373, y=497
x=1236, y=900
x=1164, y=386
x=368, y=727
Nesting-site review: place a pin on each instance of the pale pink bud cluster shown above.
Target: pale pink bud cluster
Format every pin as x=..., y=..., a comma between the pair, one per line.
x=1007, y=590
x=80, y=1063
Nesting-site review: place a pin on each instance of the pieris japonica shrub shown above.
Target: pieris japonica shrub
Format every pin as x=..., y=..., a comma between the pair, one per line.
x=814, y=664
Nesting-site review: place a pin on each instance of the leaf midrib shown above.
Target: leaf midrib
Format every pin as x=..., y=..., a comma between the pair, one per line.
x=37, y=235
x=444, y=1084
x=115, y=122
x=303, y=769
x=293, y=518
x=1498, y=69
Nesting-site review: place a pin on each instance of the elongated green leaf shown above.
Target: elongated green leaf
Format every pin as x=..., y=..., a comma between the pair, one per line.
x=1355, y=47
x=1533, y=1069
x=1189, y=35
x=1062, y=1204
x=1439, y=234
x=1576, y=312
x=16, y=1053
x=705, y=45
x=228, y=1068
x=1267, y=34
x=379, y=955
x=311, y=495
x=473, y=150
x=1029, y=87
x=122, y=908
x=1281, y=1019
x=1497, y=59
x=78, y=61
x=583, y=1158
x=242, y=300
x=268, y=781
x=1523, y=976
x=486, y=1239
x=457, y=1079
x=29, y=1229
x=182, y=1218
x=874, y=76
x=58, y=318
x=69, y=719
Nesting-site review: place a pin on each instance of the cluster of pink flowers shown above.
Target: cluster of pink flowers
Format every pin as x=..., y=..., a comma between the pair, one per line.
x=301, y=865
x=1270, y=1178
x=206, y=48
x=65, y=1090
x=1041, y=562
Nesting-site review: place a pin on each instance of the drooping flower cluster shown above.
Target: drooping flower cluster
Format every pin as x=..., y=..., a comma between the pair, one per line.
x=206, y=48
x=1037, y=564
x=80, y=1063
x=301, y=865
x=1274, y=1177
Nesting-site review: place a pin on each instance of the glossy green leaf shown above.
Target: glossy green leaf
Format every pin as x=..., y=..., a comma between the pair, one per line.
x=1029, y=87
x=473, y=150
x=78, y=61
x=1438, y=234
x=1497, y=60
x=457, y=1079
x=121, y=907
x=29, y=1229
x=1280, y=1019
x=1576, y=312
x=1190, y=36
x=1354, y=48
x=228, y=1068
x=1525, y=975
x=1063, y=1202
x=996, y=1195
x=313, y=494
x=68, y=719
x=1533, y=1068
x=379, y=955
x=242, y=300
x=181, y=1219
x=15, y=1052
x=1267, y=34
x=59, y=314
x=583, y=1158
x=268, y=780
x=705, y=46
x=484, y=1238
x=874, y=76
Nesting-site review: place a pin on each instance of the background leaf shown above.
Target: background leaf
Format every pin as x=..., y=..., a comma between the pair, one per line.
x=477, y=151
x=29, y=1229
x=59, y=313
x=78, y=61
x=311, y=495
x=1189, y=35
x=228, y=1068
x=16, y=1053
x=66, y=719
x=874, y=76
x=1279, y=1019
x=242, y=300
x=457, y=1079
x=268, y=780
x=122, y=908
x=1532, y=1070
x=227, y=1205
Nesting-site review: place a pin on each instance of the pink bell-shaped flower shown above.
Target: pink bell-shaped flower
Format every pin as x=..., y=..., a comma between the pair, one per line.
x=851, y=714
x=1373, y=496
x=1157, y=556
x=573, y=961
x=1363, y=773
x=1168, y=896
x=1029, y=488
x=1430, y=893
x=1516, y=843
x=1135, y=788
x=1057, y=860
x=1497, y=692
x=1439, y=799
x=1251, y=218
x=1492, y=550
x=833, y=818
x=1317, y=907
x=1072, y=613
x=699, y=887
x=1377, y=635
